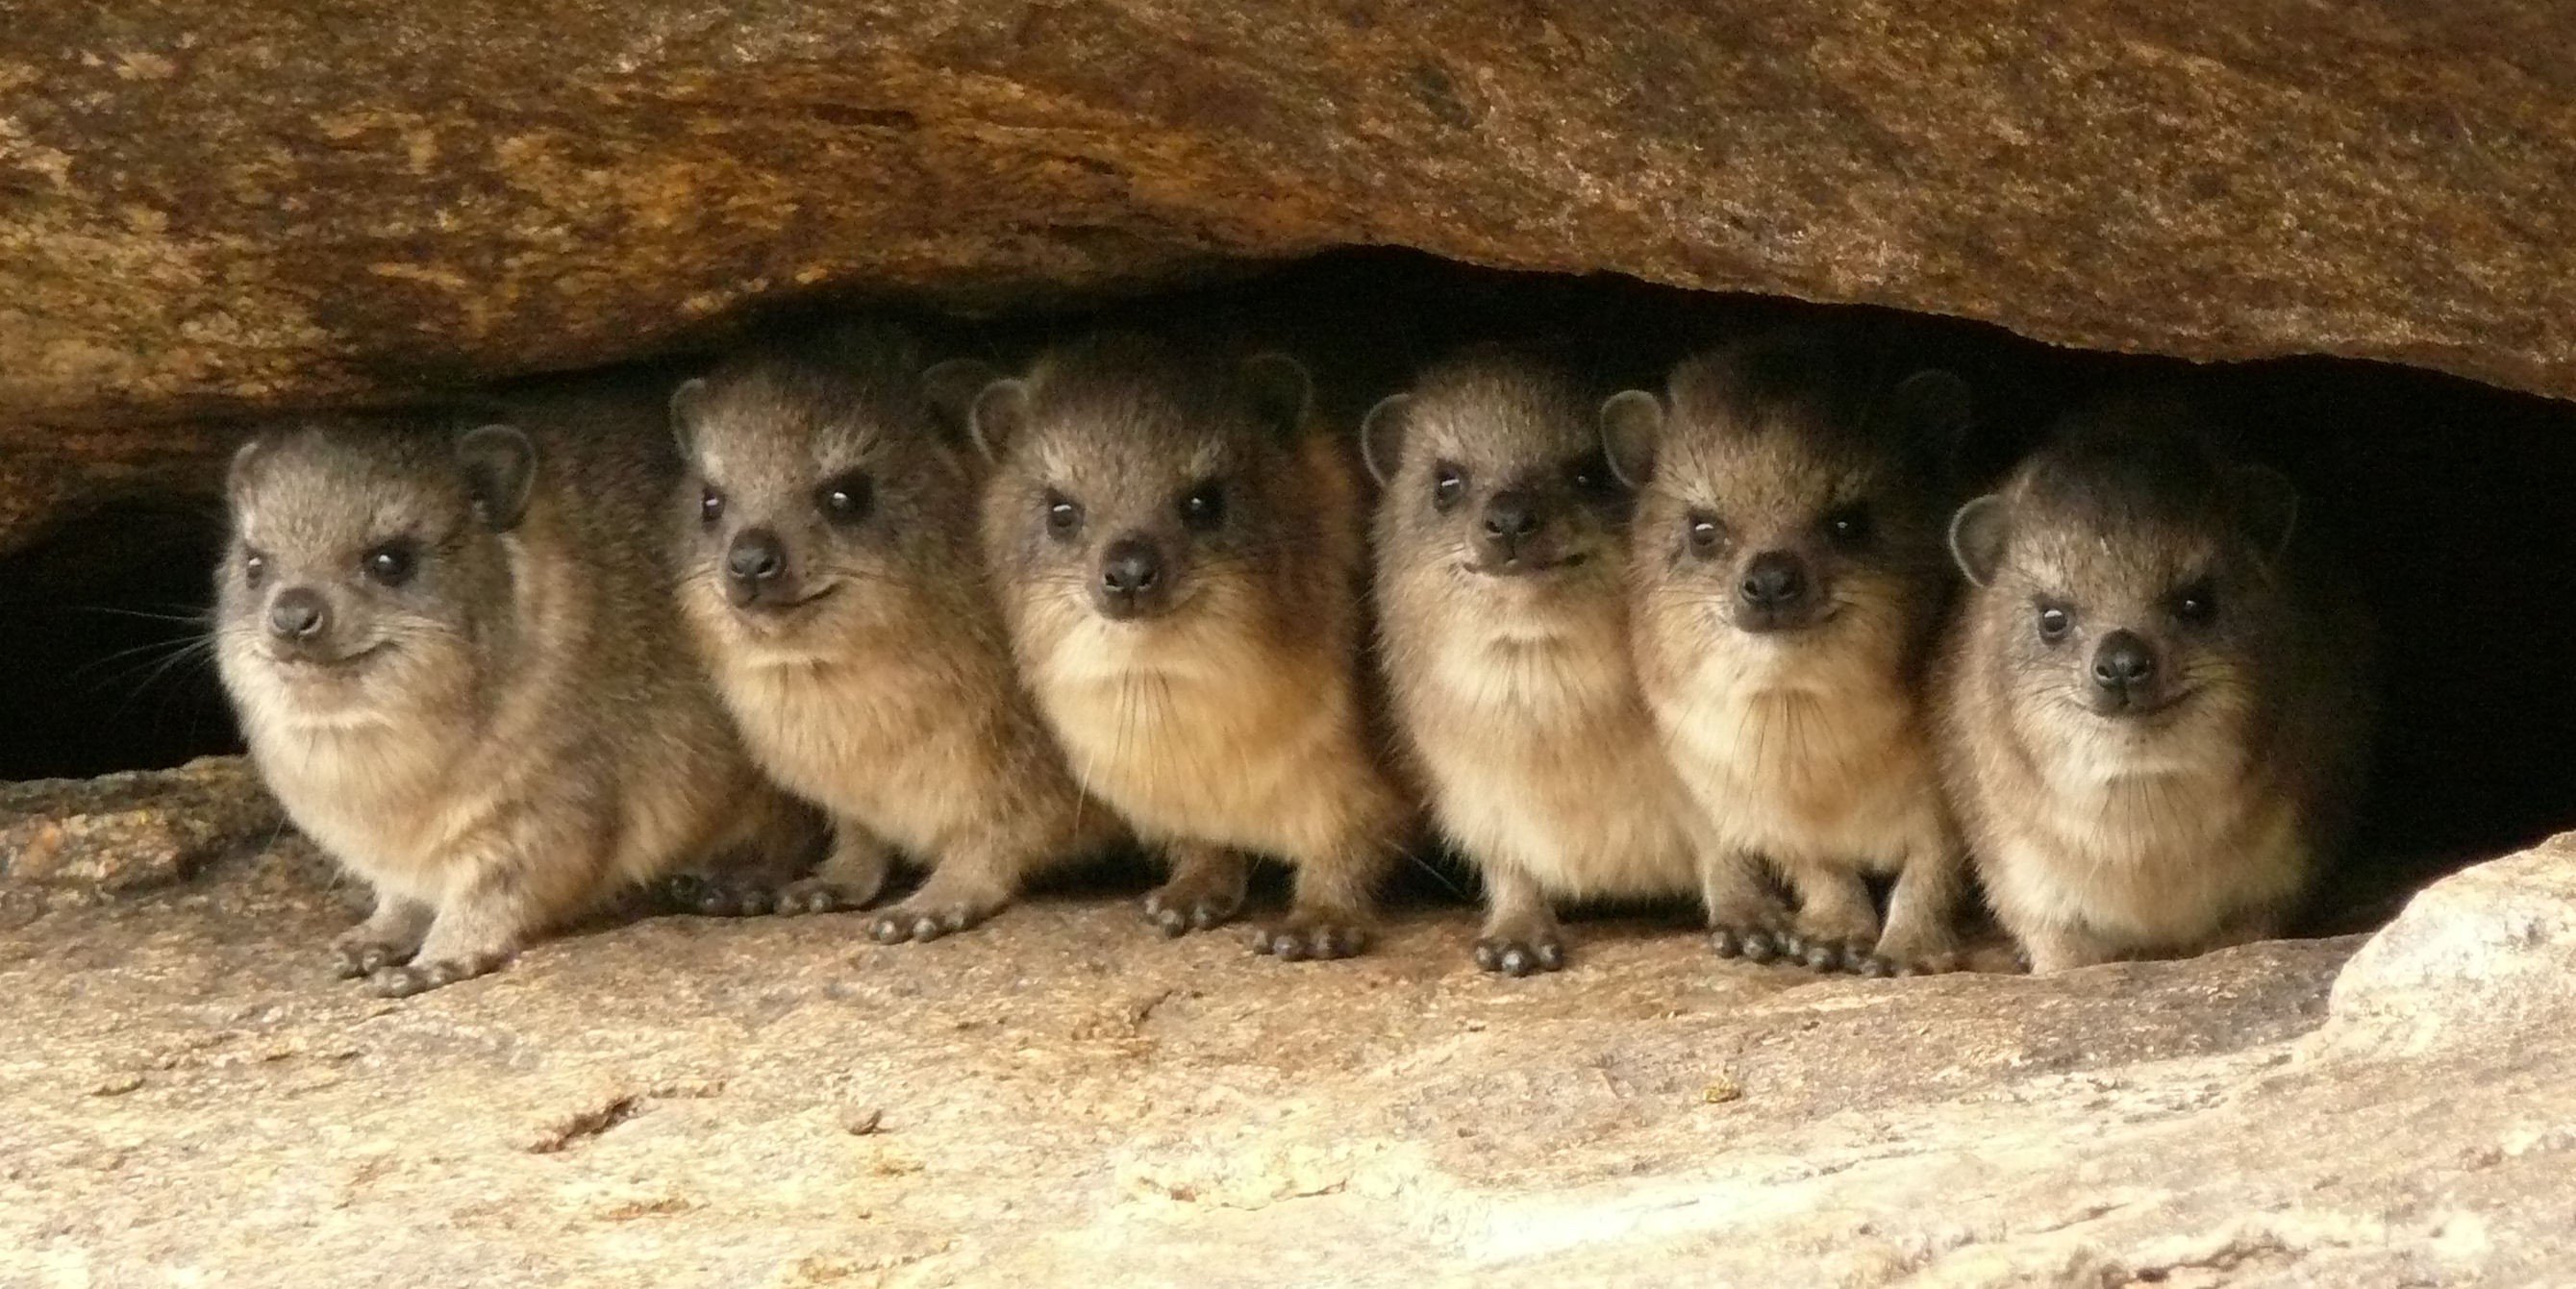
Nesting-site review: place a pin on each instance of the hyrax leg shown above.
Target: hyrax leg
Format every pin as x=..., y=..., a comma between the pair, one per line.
x=535, y=878
x=1836, y=926
x=1332, y=911
x=1520, y=934
x=2057, y=947
x=848, y=878
x=1205, y=889
x=389, y=937
x=1922, y=912
x=965, y=887
x=1744, y=918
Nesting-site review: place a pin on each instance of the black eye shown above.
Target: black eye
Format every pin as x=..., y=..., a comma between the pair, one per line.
x=710, y=506
x=1703, y=532
x=1448, y=485
x=393, y=563
x=846, y=498
x=1203, y=508
x=1849, y=526
x=1592, y=474
x=2054, y=623
x=1063, y=515
x=254, y=569
x=2196, y=604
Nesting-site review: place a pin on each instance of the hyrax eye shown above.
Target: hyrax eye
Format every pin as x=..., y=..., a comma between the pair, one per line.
x=1203, y=507
x=1591, y=474
x=2196, y=604
x=1063, y=515
x=1448, y=485
x=393, y=563
x=254, y=569
x=846, y=498
x=711, y=505
x=2054, y=622
x=1703, y=532
x=1849, y=526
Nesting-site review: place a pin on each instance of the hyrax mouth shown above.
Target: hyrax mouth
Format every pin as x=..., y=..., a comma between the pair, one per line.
x=1525, y=566
x=300, y=663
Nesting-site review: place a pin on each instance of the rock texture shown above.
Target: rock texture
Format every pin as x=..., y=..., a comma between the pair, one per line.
x=264, y=203
x=127, y=832
x=1064, y=1098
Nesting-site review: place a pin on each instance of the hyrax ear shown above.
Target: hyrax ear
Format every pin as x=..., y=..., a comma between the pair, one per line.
x=244, y=470
x=998, y=415
x=1382, y=434
x=500, y=467
x=688, y=411
x=1977, y=536
x=1281, y=392
x=2266, y=505
x=1632, y=425
x=1932, y=410
x=949, y=389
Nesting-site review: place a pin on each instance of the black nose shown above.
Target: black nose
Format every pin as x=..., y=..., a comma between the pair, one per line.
x=1131, y=575
x=1510, y=516
x=755, y=556
x=298, y=614
x=2122, y=662
x=1773, y=580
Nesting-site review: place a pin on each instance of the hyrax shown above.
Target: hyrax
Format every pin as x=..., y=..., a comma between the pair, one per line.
x=456, y=664
x=2151, y=724
x=1178, y=556
x=831, y=575
x=1501, y=544
x=1787, y=577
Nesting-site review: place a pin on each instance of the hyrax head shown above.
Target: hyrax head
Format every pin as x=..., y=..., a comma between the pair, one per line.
x=368, y=568
x=2131, y=570
x=1786, y=486
x=1493, y=473
x=1136, y=483
x=825, y=490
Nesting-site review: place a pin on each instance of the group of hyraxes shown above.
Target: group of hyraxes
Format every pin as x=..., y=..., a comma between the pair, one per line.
x=1735, y=640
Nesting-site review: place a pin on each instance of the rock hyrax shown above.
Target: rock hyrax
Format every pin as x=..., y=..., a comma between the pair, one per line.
x=2151, y=721
x=1178, y=554
x=1788, y=575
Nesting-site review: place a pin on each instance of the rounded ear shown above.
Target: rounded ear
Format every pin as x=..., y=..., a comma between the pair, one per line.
x=500, y=467
x=997, y=416
x=688, y=409
x=1382, y=436
x=1977, y=536
x=244, y=468
x=1281, y=391
x=1632, y=424
x=948, y=389
x=1932, y=410
x=2266, y=505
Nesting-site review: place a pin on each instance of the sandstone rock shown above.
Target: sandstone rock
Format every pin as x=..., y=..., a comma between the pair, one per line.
x=1063, y=1097
x=126, y=832
x=211, y=208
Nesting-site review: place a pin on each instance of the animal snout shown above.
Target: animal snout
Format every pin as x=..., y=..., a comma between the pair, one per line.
x=1133, y=580
x=1511, y=519
x=2124, y=668
x=1774, y=580
x=298, y=615
x=755, y=565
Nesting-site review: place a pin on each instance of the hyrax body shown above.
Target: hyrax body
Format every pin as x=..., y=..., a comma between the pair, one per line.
x=2151, y=724
x=456, y=664
x=1179, y=558
x=833, y=580
x=1787, y=579
x=1500, y=551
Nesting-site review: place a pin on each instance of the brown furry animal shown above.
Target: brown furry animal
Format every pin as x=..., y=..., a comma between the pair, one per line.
x=1787, y=577
x=1500, y=545
x=832, y=579
x=1178, y=555
x=456, y=664
x=2152, y=722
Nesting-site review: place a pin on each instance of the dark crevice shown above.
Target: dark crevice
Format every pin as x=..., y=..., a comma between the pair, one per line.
x=2444, y=495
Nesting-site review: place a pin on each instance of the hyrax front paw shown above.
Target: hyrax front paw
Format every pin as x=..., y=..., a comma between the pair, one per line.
x=820, y=895
x=919, y=920
x=419, y=977
x=1520, y=955
x=1899, y=954
x=358, y=954
x=1752, y=939
x=1312, y=936
x=1181, y=906
x=718, y=897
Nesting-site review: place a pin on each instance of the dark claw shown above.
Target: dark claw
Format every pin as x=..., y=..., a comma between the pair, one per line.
x=1876, y=967
x=359, y=960
x=1822, y=955
x=420, y=978
x=1301, y=942
x=1516, y=959
x=1749, y=943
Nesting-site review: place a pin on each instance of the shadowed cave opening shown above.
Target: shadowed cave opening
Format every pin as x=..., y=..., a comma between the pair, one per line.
x=2441, y=494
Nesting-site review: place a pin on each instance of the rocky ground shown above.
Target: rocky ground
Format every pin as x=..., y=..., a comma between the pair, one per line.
x=186, y=1097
